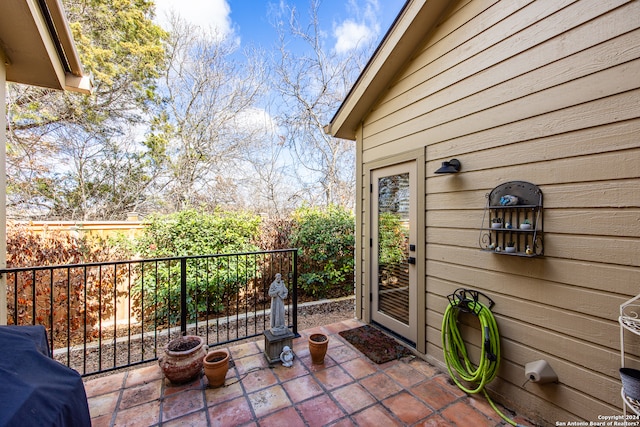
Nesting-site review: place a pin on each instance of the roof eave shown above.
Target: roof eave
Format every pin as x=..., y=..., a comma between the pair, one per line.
x=415, y=21
x=39, y=47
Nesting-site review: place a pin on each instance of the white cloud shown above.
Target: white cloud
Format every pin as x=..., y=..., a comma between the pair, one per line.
x=256, y=120
x=349, y=35
x=213, y=15
x=359, y=30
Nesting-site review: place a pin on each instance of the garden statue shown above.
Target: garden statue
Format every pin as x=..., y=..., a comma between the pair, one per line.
x=286, y=357
x=278, y=293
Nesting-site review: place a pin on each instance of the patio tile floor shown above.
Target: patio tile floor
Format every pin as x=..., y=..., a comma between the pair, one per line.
x=348, y=390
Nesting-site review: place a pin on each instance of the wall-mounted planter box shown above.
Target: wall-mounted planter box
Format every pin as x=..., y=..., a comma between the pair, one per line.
x=517, y=207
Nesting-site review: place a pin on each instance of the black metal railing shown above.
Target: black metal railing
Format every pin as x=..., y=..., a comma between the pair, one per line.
x=110, y=315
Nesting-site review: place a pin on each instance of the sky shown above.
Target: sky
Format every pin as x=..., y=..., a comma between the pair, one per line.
x=344, y=22
x=345, y=25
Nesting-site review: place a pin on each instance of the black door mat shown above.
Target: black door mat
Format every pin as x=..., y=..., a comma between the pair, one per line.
x=375, y=344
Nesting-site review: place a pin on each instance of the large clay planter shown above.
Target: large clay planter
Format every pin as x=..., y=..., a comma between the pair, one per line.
x=181, y=366
x=318, y=348
x=216, y=365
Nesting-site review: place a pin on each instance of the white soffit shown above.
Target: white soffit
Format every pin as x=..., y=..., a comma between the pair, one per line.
x=39, y=49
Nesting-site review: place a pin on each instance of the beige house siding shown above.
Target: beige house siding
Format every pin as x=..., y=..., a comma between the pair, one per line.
x=543, y=91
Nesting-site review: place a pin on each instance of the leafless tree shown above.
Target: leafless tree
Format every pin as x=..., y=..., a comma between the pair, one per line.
x=208, y=119
x=312, y=84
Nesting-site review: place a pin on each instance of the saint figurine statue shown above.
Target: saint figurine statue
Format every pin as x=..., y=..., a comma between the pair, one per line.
x=278, y=293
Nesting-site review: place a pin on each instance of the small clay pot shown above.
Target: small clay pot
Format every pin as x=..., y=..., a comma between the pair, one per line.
x=318, y=348
x=216, y=365
x=182, y=360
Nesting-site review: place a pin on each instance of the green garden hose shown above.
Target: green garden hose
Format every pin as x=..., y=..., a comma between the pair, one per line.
x=455, y=351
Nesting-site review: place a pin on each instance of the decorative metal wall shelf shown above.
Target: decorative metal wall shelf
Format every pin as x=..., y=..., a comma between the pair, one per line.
x=509, y=205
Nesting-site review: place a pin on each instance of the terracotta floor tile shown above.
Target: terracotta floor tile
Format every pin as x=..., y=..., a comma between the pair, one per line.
x=432, y=393
x=337, y=327
x=269, y=400
x=345, y=422
x=180, y=404
x=143, y=375
x=328, y=362
x=138, y=395
x=215, y=396
x=298, y=369
x=359, y=368
x=231, y=413
x=375, y=416
x=348, y=390
x=231, y=378
x=380, y=386
x=333, y=377
x=103, y=385
x=353, y=398
x=463, y=414
x=258, y=380
x=434, y=420
x=170, y=388
x=479, y=402
x=320, y=411
x=103, y=405
x=287, y=417
x=342, y=353
x=428, y=370
x=407, y=408
x=103, y=421
x=250, y=363
x=447, y=383
x=302, y=388
x=405, y=374
x=334, y=342
x=301, y=347
x=244, y=350
x=353, y=323
x=195, y=419
x=146, y=414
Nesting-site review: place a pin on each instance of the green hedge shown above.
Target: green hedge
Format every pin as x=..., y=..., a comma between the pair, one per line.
x=190, y=233
x=325, y=239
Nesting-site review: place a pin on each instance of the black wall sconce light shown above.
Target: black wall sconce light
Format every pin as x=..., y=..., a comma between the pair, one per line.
x=452, y=166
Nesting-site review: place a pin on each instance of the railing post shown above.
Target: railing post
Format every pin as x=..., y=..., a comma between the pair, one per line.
x=295, y=292
x=183, y=296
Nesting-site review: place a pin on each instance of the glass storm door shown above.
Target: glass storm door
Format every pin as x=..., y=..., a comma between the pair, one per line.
x=393, y=250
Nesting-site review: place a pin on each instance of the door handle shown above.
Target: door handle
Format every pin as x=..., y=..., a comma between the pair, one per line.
x=411, y=260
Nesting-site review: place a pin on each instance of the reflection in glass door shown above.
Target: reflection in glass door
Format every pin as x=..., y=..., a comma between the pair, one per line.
x=393, y=249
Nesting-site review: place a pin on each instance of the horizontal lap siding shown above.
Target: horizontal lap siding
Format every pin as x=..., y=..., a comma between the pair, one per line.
x=546, y=92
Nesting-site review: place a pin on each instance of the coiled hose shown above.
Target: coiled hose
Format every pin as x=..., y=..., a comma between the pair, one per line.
x=455, y=351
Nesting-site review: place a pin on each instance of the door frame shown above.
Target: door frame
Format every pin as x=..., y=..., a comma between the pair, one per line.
x=366, y=274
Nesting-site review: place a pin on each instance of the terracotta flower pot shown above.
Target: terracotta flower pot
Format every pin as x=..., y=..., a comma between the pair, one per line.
x=216, y=365
x=182, y=360
x=318, y=348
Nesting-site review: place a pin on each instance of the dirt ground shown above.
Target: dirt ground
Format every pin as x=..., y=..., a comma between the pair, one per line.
x=326, y=313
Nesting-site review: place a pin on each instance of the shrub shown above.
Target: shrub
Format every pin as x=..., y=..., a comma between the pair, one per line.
x=59, y=298
x=275, y=233
x=325, y=238
x=209, y=281
x=392, y=241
